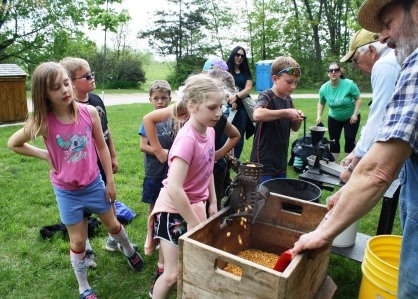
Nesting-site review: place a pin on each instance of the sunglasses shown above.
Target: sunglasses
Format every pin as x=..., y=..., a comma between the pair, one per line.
x=88, y=77
x=294, y=71
x=334, y=70
x=240, y=55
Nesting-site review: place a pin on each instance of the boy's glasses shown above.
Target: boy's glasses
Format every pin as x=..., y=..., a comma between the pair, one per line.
x=294, y=71
x=334, y=70
x=240, y=55
x=88, y=77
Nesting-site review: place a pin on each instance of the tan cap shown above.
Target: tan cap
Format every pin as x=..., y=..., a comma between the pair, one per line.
x=360, y=38
x=369, y=14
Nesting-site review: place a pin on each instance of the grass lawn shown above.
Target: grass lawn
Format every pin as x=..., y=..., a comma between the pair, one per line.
x=31, y=267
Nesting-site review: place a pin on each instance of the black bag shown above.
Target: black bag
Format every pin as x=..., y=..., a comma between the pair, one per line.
x=49, y=230
x=300, y=153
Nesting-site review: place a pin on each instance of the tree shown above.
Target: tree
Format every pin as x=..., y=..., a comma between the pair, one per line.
x=27, y=27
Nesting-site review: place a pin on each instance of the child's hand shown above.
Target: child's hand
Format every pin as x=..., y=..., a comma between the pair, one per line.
x=212, y=209
x=162, y=155
x=110, y=192
x=296, y=115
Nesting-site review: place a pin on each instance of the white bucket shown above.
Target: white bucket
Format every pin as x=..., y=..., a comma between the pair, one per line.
x=347, y=238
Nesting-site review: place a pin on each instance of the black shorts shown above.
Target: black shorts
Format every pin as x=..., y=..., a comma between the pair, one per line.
x=169, y=227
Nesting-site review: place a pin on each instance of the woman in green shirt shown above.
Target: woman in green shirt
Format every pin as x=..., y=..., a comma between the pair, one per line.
x=343, y=99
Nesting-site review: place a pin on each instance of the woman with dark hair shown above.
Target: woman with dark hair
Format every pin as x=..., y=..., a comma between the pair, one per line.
x=343, y=99
x=239, y=69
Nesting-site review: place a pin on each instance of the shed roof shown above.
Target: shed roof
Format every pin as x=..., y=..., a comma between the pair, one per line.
x=11, y=70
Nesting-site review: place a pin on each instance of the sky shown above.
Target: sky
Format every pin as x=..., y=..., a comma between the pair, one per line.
x=140, y=12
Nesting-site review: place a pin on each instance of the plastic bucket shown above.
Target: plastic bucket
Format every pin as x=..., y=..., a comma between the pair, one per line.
x=348, y=237
x=294, y=188
x=380, y=267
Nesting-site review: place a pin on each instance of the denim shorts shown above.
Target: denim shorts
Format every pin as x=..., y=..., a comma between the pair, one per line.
x=151, y=189
x=73, y=203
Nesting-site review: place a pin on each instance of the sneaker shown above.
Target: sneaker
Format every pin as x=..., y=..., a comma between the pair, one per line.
x=88, y=294
x=153, y=280
x=89, y=259
x=135, y=260
x=112, y=246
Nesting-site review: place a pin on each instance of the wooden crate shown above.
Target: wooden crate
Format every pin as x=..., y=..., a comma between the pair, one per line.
x=206, y=249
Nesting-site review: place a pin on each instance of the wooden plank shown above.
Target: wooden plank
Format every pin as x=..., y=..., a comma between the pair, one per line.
x=308, y=219
x=327, y=289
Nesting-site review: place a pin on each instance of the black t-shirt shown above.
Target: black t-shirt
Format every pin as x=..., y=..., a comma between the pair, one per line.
x=219, y=130
x=271, y=139
x=96, y=101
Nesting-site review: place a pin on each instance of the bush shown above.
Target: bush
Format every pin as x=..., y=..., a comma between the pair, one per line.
x=184, y=68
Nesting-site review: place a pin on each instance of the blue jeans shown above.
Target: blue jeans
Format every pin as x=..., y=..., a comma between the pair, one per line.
x=408, y=278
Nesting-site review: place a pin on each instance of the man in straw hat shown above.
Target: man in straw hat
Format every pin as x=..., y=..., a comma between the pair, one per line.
x=396, y=145
x=377, y=59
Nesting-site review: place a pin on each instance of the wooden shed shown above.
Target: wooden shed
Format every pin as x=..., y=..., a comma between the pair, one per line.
x=13, y=102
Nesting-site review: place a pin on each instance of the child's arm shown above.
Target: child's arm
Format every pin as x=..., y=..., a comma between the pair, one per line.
x=213, y=206
x=103, y=153
x=263, y=114
x=233, y=137
x=145, y=147
x=149, y=121
x=18, y=143
x=178, y=172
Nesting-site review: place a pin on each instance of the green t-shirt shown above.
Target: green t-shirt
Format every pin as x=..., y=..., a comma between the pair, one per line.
x=340, y=99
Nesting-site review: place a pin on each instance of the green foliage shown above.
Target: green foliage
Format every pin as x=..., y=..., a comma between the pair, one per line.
x=118, y=69
x=184, y=67
x=101, y=14
x=28, y=27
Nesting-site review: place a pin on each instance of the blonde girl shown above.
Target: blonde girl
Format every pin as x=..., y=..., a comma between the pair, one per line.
x=189, y=186
x=72, y=134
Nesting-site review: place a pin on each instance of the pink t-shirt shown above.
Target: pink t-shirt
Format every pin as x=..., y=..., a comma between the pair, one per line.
x=199, y=152
x=72, y=150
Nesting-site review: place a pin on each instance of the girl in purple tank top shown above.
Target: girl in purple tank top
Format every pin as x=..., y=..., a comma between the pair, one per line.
x=72, y=134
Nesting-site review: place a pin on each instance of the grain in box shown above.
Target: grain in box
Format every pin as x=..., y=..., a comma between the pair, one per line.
x=209, y=247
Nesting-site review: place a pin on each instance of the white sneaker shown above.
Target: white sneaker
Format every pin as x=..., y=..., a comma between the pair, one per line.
x=89, y=259
x=112, y=246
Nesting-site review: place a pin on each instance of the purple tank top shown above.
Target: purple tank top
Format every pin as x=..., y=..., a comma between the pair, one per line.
x=72, y=150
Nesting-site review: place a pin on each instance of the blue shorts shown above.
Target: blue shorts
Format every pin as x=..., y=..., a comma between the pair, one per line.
x=73, y=203
x=151, y=189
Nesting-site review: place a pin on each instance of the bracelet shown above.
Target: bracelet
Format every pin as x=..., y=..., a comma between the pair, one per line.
x=350, y=168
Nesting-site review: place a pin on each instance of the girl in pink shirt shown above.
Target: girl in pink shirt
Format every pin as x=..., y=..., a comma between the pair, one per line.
x=189, y=185
x=72, y=134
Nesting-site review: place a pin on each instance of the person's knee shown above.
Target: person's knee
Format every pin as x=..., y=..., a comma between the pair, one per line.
x=171, y=278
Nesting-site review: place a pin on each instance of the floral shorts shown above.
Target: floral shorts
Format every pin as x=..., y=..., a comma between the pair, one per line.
x=169, y=227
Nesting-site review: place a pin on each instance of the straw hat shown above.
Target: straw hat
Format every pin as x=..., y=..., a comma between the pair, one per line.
x=360, y=38
x=369, y=14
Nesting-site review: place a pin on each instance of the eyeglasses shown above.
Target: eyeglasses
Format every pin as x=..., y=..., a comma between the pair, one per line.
x=240, y=55
x=334, y=70
x=294, y=71
x=354, y=59
x=88, y=77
